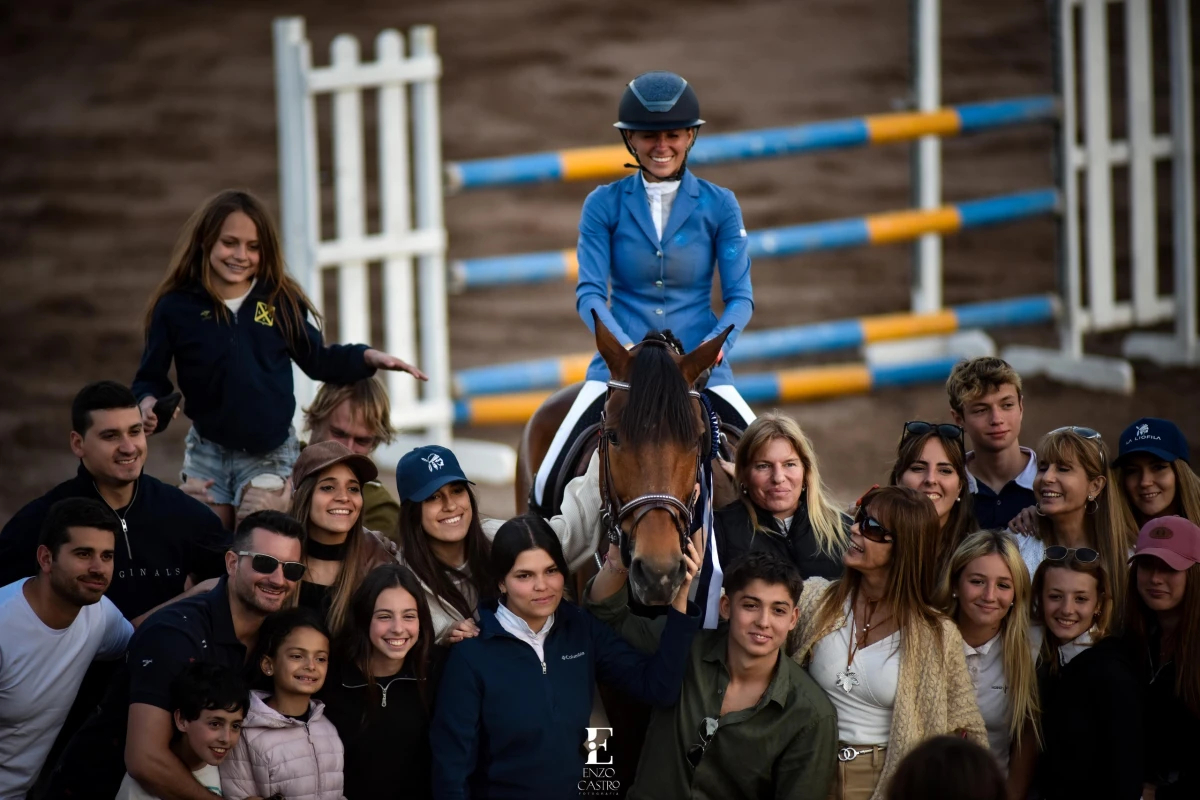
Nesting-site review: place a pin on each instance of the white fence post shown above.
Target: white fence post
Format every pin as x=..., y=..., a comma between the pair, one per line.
x=927, y=153
x=408, y=95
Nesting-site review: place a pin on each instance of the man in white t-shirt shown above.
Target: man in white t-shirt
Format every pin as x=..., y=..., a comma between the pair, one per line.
x=52, y=626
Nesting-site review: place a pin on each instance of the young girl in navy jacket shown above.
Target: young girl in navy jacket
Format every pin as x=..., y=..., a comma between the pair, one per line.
x=233, y=321
x=513, y=703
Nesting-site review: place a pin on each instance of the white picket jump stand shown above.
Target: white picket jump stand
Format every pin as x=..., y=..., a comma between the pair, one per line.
x=412, y=226
x=1090, y=303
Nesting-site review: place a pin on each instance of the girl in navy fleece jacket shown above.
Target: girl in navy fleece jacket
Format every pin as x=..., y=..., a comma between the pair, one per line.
x=513, y=704
x=233, y=321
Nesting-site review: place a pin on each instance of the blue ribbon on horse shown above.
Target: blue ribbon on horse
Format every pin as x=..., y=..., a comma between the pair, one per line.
x=708, y=583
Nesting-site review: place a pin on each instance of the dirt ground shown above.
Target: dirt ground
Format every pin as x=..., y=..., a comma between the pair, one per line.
x=118, y=117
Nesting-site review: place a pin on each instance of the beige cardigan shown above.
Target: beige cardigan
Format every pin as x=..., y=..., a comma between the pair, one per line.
x=935, y=695
x=578, y=529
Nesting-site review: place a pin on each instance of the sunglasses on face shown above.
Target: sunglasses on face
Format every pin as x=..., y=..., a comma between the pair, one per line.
x=872, y=528
x=266, y=565
x=1084, y=555
x=708, y=727
x=944, y=429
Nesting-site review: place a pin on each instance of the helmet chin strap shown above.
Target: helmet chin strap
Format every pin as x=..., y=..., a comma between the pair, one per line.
x=677, y=175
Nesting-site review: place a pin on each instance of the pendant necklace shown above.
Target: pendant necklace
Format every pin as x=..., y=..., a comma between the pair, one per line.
x=848, y=679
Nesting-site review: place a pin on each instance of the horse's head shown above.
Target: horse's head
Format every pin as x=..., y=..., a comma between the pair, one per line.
x=654, y=439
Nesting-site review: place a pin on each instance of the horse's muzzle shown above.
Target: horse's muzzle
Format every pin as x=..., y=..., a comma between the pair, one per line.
x=654, y=583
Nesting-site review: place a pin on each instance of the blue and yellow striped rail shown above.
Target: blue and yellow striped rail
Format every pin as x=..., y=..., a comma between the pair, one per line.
x=786, y=386
x=888, y=227
x=608, y=161
x=797, y=340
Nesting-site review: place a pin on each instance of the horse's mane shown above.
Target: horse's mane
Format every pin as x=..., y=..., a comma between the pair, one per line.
x=659, y=409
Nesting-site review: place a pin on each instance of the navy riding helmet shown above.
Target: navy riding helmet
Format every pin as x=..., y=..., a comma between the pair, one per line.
x=657, y=101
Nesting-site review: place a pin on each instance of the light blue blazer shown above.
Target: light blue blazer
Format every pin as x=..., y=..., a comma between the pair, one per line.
x=668, y=284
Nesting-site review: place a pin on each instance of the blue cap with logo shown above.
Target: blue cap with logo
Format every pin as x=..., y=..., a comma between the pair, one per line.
x=424, y=470
x=1158, y=437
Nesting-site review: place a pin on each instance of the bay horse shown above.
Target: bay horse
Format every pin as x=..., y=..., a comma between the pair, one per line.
x=653, y=439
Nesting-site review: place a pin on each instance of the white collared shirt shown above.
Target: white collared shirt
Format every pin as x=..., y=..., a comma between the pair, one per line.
x=661, y=195
x=985, y=665
x=1024, y=480
x=520, y=629
x=1068, y=651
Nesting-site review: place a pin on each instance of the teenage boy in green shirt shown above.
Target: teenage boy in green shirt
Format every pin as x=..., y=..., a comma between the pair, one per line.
x=750, y=722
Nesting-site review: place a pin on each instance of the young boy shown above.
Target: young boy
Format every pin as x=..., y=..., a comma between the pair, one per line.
x=210, y=703
x=778, y=730
x=986, y=400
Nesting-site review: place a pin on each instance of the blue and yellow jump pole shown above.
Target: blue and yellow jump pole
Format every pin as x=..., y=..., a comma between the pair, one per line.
x=608, y=161
x=797, y=340
x=874, y=229
x=785, y=386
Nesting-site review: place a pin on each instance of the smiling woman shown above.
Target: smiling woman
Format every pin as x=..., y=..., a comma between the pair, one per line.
x=337, y=551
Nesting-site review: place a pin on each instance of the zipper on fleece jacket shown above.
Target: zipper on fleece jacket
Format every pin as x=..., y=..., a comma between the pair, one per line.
x=384, y=689
x=121, y=519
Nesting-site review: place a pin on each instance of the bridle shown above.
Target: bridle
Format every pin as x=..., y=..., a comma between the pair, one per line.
x=615, y=512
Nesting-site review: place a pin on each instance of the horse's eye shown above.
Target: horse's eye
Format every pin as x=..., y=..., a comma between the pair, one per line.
x=612, y=438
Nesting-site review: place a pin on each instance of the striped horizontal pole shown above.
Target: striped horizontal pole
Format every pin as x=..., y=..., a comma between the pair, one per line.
x=786, y=386
x=885, y=228
x=797, y=340
x=608, y=161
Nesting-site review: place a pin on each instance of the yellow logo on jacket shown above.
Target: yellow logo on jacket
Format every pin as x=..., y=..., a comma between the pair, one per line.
x=264, y=313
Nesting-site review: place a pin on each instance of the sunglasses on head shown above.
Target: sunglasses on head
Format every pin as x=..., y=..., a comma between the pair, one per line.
x=872, y=528
x=1086, y=433
x=944, y=429
x=1084, y=555
x=266, y=565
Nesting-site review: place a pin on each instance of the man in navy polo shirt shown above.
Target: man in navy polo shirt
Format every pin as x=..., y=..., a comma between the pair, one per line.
x=132, y=729
x=986, y=400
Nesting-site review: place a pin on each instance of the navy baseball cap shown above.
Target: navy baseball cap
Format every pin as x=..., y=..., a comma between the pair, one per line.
x=424, y=470
x=1158, y=437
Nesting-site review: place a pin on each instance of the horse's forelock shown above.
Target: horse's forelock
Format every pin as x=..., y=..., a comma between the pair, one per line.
x=659, y=407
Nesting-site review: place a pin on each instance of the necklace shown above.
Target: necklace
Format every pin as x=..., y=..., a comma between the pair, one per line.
x=848, y=679
x=326, y=552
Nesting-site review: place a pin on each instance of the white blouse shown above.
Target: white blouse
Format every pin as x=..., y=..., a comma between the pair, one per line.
x=864, y=711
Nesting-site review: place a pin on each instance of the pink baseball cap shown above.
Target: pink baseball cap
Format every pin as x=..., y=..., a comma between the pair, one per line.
x=1173, y=539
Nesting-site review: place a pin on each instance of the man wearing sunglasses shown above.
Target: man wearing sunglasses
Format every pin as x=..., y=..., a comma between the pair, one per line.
x=133, y=727
x=750, y=722
x=987, y=401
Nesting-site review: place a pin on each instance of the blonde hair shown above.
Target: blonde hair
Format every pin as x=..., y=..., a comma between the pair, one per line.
x=368, y=396
x=972, y=379
x=1014, y=628
x=1110, y=528
x=828, y=524
x=1105, y=603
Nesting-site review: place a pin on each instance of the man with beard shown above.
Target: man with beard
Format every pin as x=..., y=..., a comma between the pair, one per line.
x=132, y=729
x=51, y=628
x=163, y=536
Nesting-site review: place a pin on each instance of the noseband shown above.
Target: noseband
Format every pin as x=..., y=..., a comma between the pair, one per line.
x=615, y=512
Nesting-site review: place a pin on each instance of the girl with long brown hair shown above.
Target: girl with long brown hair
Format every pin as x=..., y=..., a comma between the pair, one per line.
x=1090, y=699
x=986, y=591
x=891, y=664
x=1077, y=505
x=1156, y=477
x=338, y=552
x=931, y=459
x=233, y=321
x=1162, y=628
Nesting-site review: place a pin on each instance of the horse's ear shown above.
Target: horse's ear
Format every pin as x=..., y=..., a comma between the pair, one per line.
x=614, y=354
x=703, y=357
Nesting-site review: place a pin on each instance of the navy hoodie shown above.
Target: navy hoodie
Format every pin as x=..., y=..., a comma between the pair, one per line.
x=507, y=725
x=165, y=536
x=236, y=373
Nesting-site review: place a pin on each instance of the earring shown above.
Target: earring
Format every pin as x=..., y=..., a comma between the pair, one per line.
x=1037, y=509
x=270, y=672
x=958, y=499
x=744, y=489
x=955, y=595
x=1095, y=505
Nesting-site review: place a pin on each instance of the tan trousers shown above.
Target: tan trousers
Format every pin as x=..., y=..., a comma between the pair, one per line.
x=856, y=779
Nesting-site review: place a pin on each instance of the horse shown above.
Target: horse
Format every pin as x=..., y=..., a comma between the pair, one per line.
x=654, y=436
